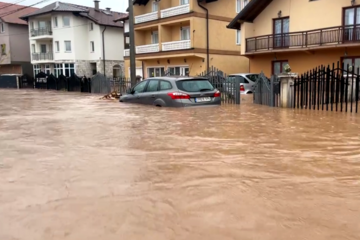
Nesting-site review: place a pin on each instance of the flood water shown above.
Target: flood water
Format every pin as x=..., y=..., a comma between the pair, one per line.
x=78, y=168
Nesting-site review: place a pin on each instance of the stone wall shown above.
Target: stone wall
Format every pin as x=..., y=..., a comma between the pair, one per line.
x=83, y=67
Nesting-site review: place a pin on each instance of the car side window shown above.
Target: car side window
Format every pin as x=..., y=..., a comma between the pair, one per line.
x=165, y=85
x=243, y=80
x=140, y=87
x=152, y=86
x=252, y=77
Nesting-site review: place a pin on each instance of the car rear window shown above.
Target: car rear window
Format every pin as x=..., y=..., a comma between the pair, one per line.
x=194, y=85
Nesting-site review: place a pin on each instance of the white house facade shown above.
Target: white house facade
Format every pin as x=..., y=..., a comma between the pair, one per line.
x=66, y=39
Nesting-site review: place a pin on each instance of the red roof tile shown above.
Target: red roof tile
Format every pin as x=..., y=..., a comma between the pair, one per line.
x=12, y=12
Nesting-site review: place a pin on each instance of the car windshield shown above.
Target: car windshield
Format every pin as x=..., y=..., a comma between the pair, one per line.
x=194, y=85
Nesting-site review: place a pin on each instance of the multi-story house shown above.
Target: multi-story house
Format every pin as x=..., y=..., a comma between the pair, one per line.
x=139, y=68
x=14, y=43
x=67, y=38
x=185, y=37
x=302, y=33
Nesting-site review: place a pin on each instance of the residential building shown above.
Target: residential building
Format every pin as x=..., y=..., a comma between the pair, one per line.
x=139, y=68
x=185, y=37
x=304, y=34
x=67, y=38
x=14, y=43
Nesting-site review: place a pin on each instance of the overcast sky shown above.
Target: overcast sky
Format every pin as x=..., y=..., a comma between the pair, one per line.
x=115, y=5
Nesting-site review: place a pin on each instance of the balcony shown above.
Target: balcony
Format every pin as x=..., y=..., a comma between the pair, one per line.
x=147, y=48
x=41, y=33
x=146, y=17
x=176, y=45
x=174, y=11
x=49, y=56
x=304, y=40
x=126, y=52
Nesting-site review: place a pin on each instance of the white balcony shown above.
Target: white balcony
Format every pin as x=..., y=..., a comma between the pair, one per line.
x=147, y=48
x=126, y=52
x=176, y=45
x=174, y=11
x=146, y=17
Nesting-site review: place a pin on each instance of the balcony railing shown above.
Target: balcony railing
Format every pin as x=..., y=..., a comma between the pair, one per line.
x=41, y=32
x=147, y=48
x=146, y=17
x=176, y=45
x=126, y=52
x=169, y=12
x=42, y=56
x=312, y=38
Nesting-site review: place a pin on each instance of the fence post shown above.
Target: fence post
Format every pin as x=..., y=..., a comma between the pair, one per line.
x=287, y=89
x=237, y=90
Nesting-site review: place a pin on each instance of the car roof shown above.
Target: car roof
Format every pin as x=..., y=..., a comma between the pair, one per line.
x=176, y=78
x=242, y=74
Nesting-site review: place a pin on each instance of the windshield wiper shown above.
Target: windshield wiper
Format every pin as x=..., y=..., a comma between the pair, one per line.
x=205, y=89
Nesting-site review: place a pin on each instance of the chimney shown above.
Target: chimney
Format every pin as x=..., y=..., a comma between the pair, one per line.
x=96, y=2
x=108, y=9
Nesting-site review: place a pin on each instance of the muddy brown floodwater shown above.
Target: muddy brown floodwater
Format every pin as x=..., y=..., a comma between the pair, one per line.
x=73, y=167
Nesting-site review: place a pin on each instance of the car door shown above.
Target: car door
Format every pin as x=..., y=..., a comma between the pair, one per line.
x=151, y=92
x=137, y=91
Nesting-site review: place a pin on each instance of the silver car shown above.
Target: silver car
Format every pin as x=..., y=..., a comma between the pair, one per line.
x=173, y=92
x=247, y=82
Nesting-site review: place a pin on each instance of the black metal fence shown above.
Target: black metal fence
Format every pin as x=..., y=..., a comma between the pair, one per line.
x=229, y=88
x=331, y=88
x=267, y=91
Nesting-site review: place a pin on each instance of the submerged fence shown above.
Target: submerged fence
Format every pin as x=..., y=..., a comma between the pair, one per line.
x=331, y=88
x=97, y=84
x=267, y=91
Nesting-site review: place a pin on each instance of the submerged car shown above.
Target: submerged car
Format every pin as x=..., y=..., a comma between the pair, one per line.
x=173, y=92
x=247, y=82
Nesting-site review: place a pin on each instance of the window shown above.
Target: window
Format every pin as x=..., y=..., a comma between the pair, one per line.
x=252, y=77
x=278, y=66
x=184, y=2
x=194, y=85
x=185, y=33
x=32, y=25
x=33, y=49
x=165, y=85
x=91, y=26
x=3, y=49
x=43, y=48
x=155, y=37
x=281, y=30
x=47, y=69
x=155, y=6
x=92, y=46
x=66, y=21
x=42, y=25
x=69, y=69
x=67, y=46
x=351, y=61
x=152, y=86
x=238, y=37
x=55, y=22
x=140, y=87
x=178, y=71
x=37, y=69
x=2, y=27
x=58, y=70
x=156, y=72
x=231, y=79
x=351, y=21
x=57, y=46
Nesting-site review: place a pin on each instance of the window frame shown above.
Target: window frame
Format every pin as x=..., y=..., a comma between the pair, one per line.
x=64, y=21
x=238, y=37
x=92, y=46
x=152, y=37
x=56, y=23
x=281, y=65
x=181, y=33
x=183, y=2
x=2, y=27
x=57, y=46
x=91, y=26
x=153, y=8
x=157, y=67
x=3, y=49
x=149, y=81
x=67, y=51
x=33, y=48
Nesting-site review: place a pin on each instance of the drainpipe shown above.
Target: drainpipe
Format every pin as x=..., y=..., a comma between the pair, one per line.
x=207, y=36
x=103, y=45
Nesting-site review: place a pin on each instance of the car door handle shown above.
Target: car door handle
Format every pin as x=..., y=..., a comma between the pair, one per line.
x=153, y=95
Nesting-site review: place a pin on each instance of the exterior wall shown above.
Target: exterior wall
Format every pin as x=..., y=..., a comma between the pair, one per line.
x=19, y=43
x=83, y=67
x=300, y=62
x=11, y=69
x=127, y=66
x=114, y=40
x=5, y=39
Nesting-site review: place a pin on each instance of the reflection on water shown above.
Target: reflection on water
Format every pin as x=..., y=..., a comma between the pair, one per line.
x=74, y=167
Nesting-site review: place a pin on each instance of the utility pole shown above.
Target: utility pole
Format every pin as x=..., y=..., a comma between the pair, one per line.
x=132, y=44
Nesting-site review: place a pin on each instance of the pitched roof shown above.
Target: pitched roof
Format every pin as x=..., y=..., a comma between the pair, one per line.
x=12, y=12
x=101, y=17
x=123, y=18
x=249, y=13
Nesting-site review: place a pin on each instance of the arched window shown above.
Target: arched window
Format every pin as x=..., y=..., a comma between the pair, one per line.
x=117, y=71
